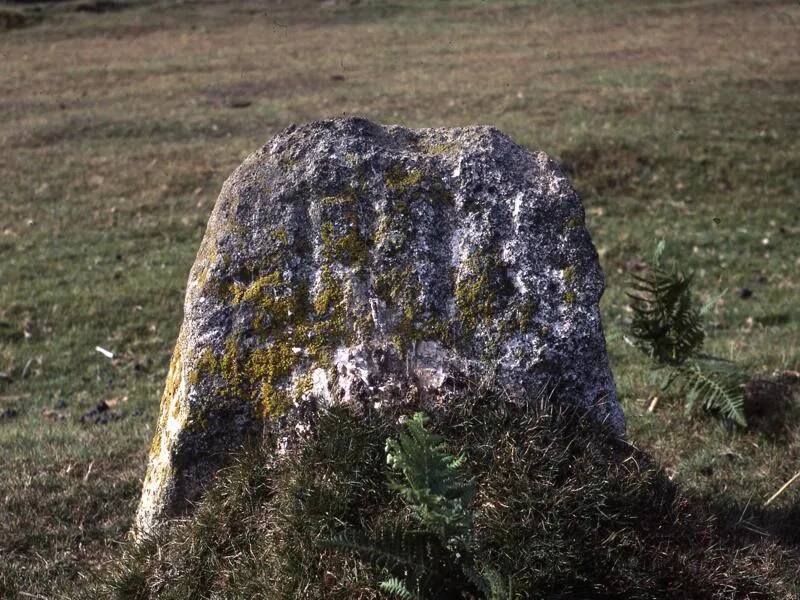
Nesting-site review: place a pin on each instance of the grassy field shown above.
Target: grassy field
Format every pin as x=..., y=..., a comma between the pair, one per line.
x=677, y=119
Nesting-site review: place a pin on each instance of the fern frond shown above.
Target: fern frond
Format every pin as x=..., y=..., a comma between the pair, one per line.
x=715, y=385
x=434, y=561
x=499, y=588
x=431, y=482
x=476, y=579
x=667, y=324
x=711, y=302
x=658, y=252
x=395, y=587
x=393, y=549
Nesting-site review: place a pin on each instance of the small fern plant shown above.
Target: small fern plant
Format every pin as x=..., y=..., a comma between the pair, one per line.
x=435, y=558
x=668, y=326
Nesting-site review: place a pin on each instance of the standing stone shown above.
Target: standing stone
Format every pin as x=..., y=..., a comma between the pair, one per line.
x=346, y=262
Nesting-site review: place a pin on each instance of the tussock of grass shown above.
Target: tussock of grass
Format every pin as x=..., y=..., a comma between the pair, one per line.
x=605, y=166
x=559, y=507
x=12, y=19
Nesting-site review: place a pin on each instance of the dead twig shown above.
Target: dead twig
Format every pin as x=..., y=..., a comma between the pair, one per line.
x=104, y=352
x=88, y=471
x=25, y=368
x=782, y=489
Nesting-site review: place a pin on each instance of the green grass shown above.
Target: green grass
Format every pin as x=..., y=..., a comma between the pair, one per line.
x=676, y=119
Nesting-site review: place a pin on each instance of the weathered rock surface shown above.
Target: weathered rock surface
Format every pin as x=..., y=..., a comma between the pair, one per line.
x=350, y=262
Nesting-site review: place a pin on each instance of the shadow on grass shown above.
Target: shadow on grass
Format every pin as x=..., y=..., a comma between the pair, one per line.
x=757, y=523
x=771, y=407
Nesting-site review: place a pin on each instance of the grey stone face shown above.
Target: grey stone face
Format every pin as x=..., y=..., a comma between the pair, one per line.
x=349, y=262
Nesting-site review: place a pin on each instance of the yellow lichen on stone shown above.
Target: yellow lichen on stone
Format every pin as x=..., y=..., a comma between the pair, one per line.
x=270, y=363
x=384, y=226
x=303, y=385
x=474, y=293
x=202, y=277
x=173, y=377
x=284, y=317
x=206, y=258
x=363, y=327
x=176, y=407
x=258, y=290
x=330, y=308
x=400, y=289
x=261, y=375
x=269, y=366
x=568, y=275
x=573, y=223
x=329, y=294
x=393, y=228
x=256, y=376
x=168, y=400
x=273, y=402
x=349, y=248
x=273, y=299
x=282, y=236
x=342, y=199
x=230, y=366
x=525, y=315
x=435, y=149
x=206, y=365
x=171, y=386
x=398, y=179
x=155, y=444
x=394, y=286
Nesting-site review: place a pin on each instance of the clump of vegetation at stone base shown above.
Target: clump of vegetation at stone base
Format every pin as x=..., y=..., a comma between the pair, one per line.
x=668, y=327
x=556, y=509
x=435, y=558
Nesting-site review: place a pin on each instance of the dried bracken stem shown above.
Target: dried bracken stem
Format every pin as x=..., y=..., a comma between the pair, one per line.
x=782, y=489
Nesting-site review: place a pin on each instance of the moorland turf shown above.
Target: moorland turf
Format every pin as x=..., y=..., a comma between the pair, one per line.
x=676, y=120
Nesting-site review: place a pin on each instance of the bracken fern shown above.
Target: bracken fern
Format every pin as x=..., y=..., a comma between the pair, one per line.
x=434, y=561
x=668, y=327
